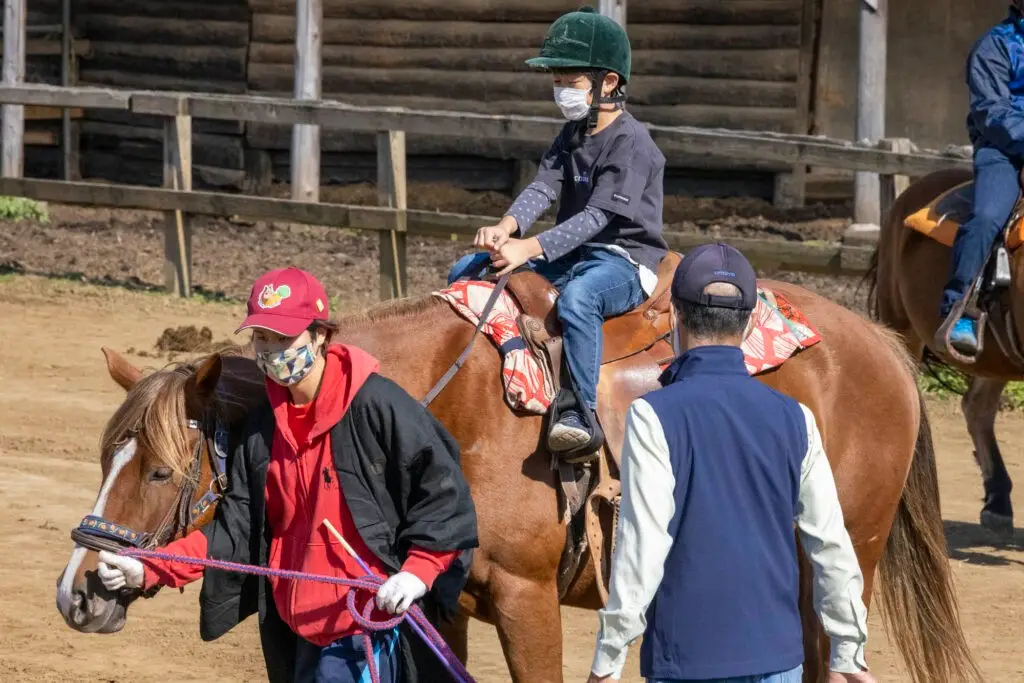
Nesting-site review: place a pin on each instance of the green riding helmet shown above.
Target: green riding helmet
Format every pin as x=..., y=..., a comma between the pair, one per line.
x=585, y=40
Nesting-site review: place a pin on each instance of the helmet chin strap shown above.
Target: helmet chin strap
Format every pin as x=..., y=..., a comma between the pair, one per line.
x=598, y=98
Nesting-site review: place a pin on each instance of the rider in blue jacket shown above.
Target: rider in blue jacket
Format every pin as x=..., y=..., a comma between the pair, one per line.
x=995, y=78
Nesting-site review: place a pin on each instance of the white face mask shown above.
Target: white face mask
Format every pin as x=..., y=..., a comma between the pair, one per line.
x=572, y=102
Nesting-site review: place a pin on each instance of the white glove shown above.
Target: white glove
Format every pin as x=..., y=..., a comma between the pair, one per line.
x=399, y=592
x=119, y=571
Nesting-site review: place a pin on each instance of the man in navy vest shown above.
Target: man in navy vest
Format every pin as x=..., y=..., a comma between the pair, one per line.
x=717, y=468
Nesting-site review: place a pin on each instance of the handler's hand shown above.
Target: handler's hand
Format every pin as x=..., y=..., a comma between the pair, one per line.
x=119, y=571
x=399, y=592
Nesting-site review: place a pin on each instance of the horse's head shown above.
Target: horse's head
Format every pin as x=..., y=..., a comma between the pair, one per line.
x=161, y=456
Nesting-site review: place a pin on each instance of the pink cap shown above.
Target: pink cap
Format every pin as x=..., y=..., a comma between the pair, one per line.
x=285, y=301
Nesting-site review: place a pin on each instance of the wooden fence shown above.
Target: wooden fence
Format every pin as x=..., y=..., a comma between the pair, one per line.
x=893, y=160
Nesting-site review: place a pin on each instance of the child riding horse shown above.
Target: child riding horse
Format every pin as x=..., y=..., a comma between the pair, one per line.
x=604, y=253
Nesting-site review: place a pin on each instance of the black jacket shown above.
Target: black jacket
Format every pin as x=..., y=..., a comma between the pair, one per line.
x=400, y=471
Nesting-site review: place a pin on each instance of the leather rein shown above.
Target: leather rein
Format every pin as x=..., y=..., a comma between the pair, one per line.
x=97, y=533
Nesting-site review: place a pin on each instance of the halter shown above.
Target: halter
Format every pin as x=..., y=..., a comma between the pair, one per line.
x=96, y=533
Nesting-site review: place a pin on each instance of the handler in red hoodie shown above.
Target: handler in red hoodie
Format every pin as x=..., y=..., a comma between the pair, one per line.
x=348, y=446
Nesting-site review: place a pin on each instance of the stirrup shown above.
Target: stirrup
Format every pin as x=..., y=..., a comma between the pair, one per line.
x=945, y=331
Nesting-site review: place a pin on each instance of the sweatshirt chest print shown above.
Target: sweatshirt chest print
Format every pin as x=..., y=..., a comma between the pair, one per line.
x=581, y=179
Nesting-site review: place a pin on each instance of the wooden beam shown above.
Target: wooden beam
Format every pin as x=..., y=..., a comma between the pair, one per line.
x=391, y=192
x=791, y=188
x=52, y=48
x=52, y=96
x=765, y=149
x=741, y=145
x=43, y=113
x=305, y=137
x=870, y=104
x=616, y=9
x=12, y=116
x=178, y=224
x=892, y=186
x=69, y=131
x=778, y=254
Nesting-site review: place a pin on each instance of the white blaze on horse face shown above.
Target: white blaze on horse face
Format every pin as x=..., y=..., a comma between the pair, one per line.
x=122, y=457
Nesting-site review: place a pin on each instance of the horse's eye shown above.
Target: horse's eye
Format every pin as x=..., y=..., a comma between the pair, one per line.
x=161, y=474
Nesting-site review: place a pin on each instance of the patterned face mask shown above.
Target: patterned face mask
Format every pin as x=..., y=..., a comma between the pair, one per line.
x=289, y=366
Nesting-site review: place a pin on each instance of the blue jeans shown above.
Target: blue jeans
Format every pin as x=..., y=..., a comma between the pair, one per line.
x=593, y=284
x=996, y=186
x=344, y=660
x=792, y=676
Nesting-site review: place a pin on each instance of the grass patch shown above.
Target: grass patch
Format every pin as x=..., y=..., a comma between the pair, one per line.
x=19, y=208
x=943, y=381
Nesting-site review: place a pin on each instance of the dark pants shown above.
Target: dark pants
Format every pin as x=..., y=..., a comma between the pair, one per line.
x=344, y=660
x=996, y=187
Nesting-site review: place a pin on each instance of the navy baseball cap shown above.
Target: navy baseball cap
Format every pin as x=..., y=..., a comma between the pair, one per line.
x=710, y=263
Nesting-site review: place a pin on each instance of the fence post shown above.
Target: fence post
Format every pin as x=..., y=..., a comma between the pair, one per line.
x=306, y=138
x=13, y=115
x=892, y=186
x=391, y=192
x=177, y=224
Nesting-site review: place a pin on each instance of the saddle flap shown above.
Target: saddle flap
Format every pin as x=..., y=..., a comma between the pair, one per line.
x=537, y=297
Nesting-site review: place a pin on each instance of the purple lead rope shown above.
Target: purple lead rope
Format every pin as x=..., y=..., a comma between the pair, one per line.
x=370, y=583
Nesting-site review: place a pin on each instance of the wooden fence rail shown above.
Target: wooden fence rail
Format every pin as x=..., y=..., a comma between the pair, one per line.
x=893, y=160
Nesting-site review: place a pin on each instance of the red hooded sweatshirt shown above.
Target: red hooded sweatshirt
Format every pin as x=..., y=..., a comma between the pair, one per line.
x=302, y=490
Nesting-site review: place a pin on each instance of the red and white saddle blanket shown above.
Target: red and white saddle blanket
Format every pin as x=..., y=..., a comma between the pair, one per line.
x=779, y=330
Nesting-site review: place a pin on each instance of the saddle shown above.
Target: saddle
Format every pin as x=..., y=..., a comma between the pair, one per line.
x=987, y=299
x=636, y=346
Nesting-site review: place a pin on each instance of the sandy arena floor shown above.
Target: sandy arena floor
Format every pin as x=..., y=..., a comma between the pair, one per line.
x=55, y=397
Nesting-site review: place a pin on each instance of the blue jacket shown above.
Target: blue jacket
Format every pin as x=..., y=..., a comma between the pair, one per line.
x=995, y=79
x=728, y=603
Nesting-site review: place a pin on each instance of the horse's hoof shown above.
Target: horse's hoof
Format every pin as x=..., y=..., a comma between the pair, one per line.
x=1000, y=524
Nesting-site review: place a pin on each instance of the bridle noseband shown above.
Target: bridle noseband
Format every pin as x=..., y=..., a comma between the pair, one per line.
x=97, y=533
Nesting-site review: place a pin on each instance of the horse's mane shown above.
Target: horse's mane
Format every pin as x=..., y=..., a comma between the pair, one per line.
x=154, y=412
x=390, y=310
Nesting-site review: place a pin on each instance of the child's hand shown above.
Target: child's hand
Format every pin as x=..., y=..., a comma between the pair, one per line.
x=515, y=253
x=494, y=237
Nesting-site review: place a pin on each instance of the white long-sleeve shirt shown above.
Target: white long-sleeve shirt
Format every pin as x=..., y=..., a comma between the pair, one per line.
x=643, y=544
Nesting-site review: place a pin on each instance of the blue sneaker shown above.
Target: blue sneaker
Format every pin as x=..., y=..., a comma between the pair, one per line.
x=964, y=337
x=569, y=433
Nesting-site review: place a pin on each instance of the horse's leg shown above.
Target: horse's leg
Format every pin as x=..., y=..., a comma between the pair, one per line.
x=529, y=625
x=980, y=405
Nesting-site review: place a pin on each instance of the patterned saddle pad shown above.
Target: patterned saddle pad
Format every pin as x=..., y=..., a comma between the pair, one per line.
x=778, y=331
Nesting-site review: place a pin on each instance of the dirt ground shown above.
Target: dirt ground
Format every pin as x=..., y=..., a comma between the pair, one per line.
x=55, y=397
x=126, y=247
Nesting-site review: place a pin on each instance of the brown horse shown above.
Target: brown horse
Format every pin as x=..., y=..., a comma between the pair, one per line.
x=857, y=381
x=909, y=272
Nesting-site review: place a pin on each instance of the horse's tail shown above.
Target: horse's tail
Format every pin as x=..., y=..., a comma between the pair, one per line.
x=918, y=600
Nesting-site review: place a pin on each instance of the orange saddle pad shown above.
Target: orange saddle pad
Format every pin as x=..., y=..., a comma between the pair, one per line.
x=941, y=218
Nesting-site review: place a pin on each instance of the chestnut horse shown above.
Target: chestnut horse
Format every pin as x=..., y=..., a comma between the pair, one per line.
x=907, y=278
x=857, y=381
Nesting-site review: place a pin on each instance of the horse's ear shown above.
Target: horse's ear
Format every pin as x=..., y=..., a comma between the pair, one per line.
x=207, y=376
x=121, y=371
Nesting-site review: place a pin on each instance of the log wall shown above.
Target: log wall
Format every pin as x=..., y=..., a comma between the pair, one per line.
x=191, y=45
x=713, y=63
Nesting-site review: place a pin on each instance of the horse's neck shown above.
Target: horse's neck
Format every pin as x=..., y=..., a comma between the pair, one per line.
x=415, y=344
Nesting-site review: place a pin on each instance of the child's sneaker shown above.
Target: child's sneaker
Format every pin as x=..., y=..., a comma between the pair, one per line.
x=569, y=433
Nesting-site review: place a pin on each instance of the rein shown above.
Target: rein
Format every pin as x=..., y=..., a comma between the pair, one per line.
x=97, y=533
x=499, y=287
x=362, y=617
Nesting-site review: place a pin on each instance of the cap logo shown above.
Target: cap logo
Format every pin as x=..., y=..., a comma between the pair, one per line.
x=725, y=273
x=272, y=297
